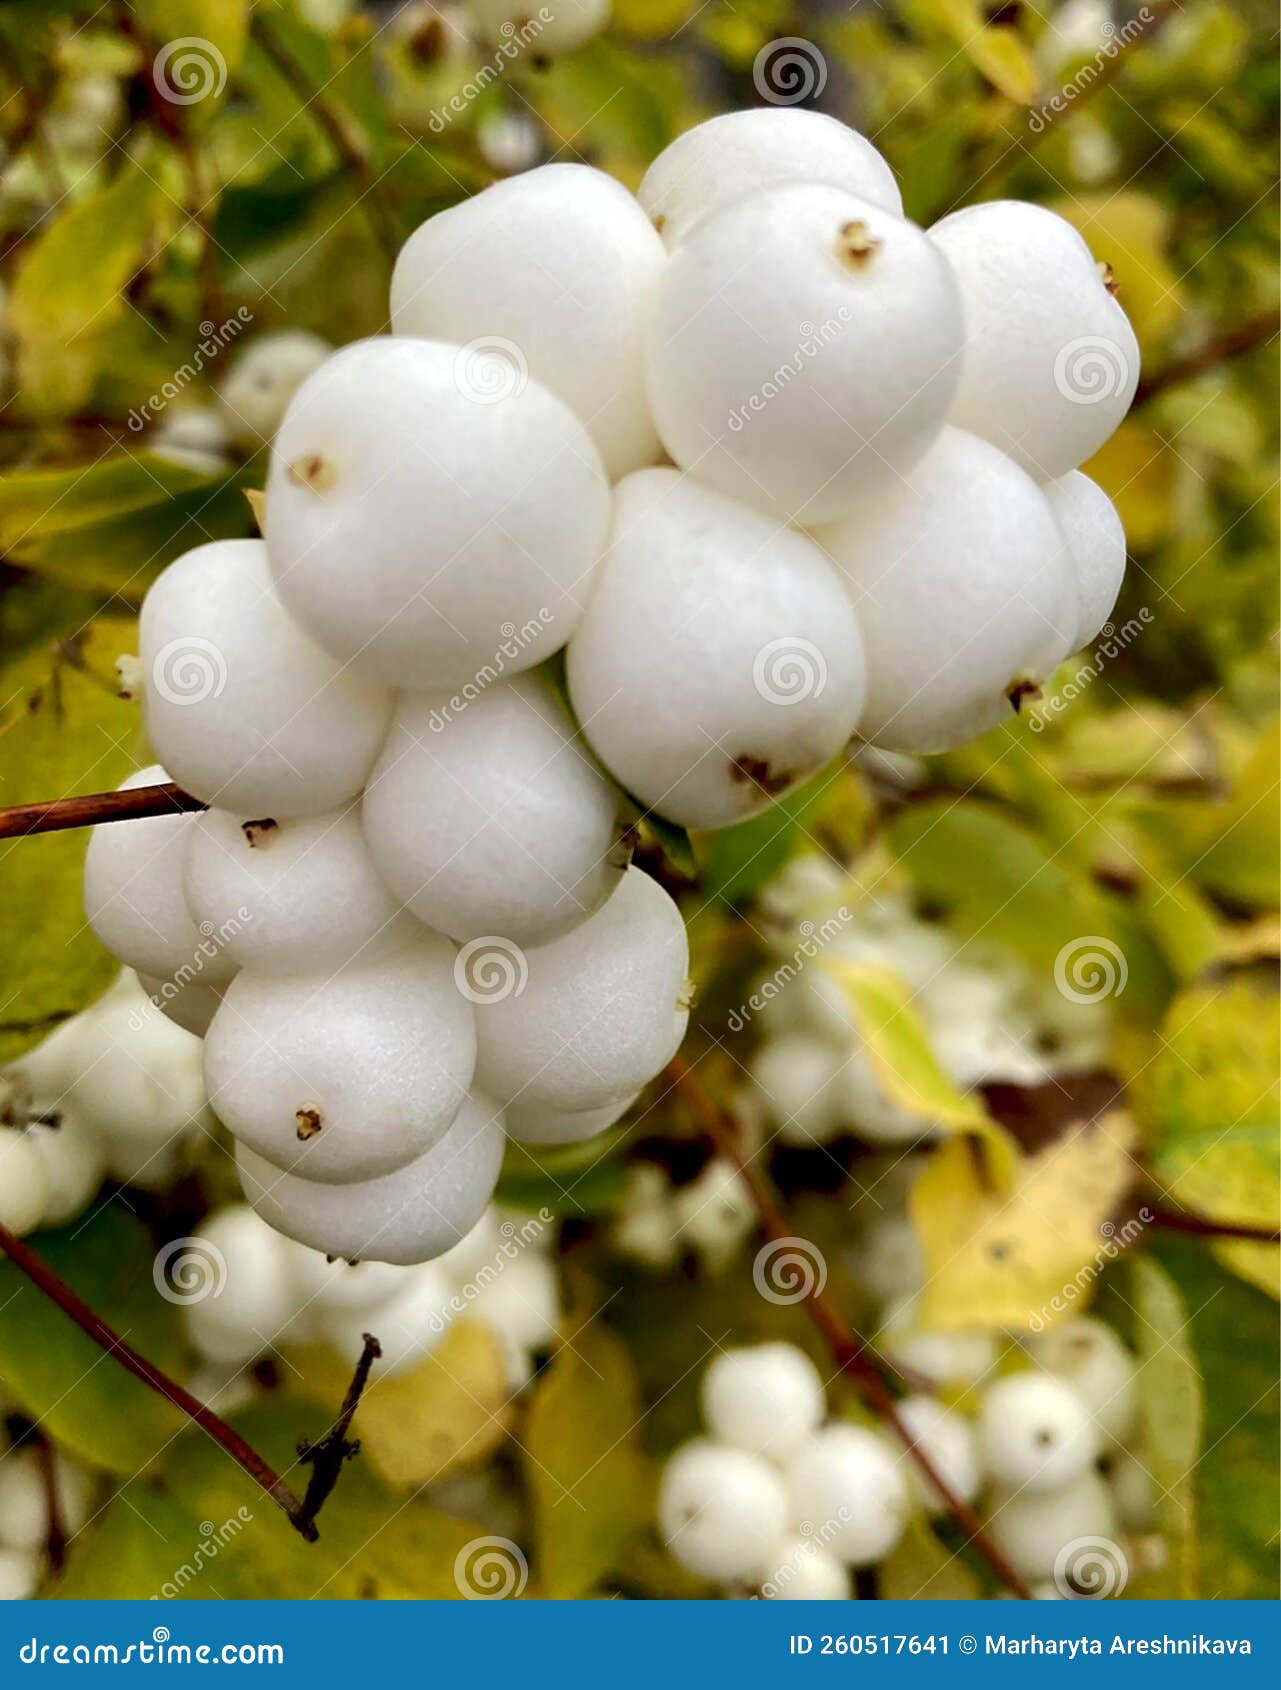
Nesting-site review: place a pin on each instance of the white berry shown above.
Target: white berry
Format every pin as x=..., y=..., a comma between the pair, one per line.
x=721, y=1511
x=1035, y=1527
x=848, y=1489
x=1096, y=545
x=767, y=1399
x=24, y=1183
x=1087, y=1355
x=263, y=378
x=555, y=27
x=947, y=1439
x=801, y=1570
x=1034, y=1431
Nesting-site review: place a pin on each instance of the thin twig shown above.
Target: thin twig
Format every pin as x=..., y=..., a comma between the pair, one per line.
x=849, y=1351
x=58, y=814
x=1201, y=1226
x=328, y=1455
x=346, y=140
x=94, y=1327
x=1219, y=349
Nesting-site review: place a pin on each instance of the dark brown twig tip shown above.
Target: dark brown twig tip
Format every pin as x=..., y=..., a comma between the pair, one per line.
x=329, y=1455
x=1022, y=691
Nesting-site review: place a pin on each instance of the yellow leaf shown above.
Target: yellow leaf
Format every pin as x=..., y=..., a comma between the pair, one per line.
x=1137, y=471
x=1026, y=1258
x=452, y=1410
x=1131, y=231
x=1003, y=59
x=920, y=1568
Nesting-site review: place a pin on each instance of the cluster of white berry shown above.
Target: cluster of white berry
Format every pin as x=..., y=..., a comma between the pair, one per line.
x=988, y=1016
x=251, y=1293
x=415, y=874
x=782, y=1501
x=28, y=1476
x=114, y=1092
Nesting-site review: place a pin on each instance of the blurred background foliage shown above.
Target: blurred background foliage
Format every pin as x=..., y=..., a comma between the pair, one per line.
x=134, y=229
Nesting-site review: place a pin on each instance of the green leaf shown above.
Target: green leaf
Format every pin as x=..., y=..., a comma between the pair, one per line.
x=1172, y=1412
x=565, y=1179
x=62, y=1378
x=583, y=1464
x=736, y=862
x=213, y=35
x=920, y=1568
x=673, y=841
x=63, y=730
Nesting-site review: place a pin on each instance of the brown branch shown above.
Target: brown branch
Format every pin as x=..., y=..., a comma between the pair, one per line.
x=55, y=1538
x=346, y=140
x=329, y=1454
x=60, y=813
x=242, y=1452
x=1219, y=349
x=851, y=1354
x=1201, y=1226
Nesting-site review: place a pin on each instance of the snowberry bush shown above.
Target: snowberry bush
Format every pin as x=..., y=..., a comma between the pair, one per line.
x=646, y=506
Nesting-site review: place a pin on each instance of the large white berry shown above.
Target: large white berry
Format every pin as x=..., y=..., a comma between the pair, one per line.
x=740, y=152
x=964, y=590
x=600, y=1011
x=1096, y=545
x=718, y=661
x=133, y=893
x=141, y=1090
x=721, y=1512
x=1088, y=1355
x=540, y=1123
x=805, y=347
x=494, y=820
x=767, y=1399
x=24, y=1183
x=1034, y=1431
x=1035, y=1527
x=412, y=1214
x=1051, y=362
x=347, y=1075
x=263, y=378
x=848, y=1489
x=243, y=708
x=291, y=897
x=429, y=511
x=232, y=1280
x=947, y=1439
x=554, y=27
x=803, y=1571
x=588, y=261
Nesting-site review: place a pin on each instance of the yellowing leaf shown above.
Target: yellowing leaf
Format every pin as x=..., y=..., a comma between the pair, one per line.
x=920, y=1568
x=451, y=1410
x=1000, y=55
x=1131, y=231
x=584, y=1467
x=1026, y=1258
x=1138, y=472
x=1171, y=1411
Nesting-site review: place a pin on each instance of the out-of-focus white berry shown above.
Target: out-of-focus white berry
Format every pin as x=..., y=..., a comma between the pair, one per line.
x=557, y=26
x=795, y=1073
x=250, y=1298
x=721, y=1511
x=801, y=1570
x=964, y=590
x=25, y=1190
x=24, y=1497
x=847, y=1489
x=244, y=710
x=408, y=1327
x=718, y=661
x=261, y=380
x=942, y=1357
x=521, y=1301
x=715, y=1213
x=431, y=509
x=741, y=152
x=646, y=1227
x=588, y=261
x=888, y=1261
x=509, y=142
x=1035, y=1432
x=195, y=436
x=1133, y=1490
x=1087, y=1355
x=74, y=1162
x=948, y=1440
x=804, y=348
x=1033, y=1526
x=767, y=1398
x=1050, y=363
x=19, y=1568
